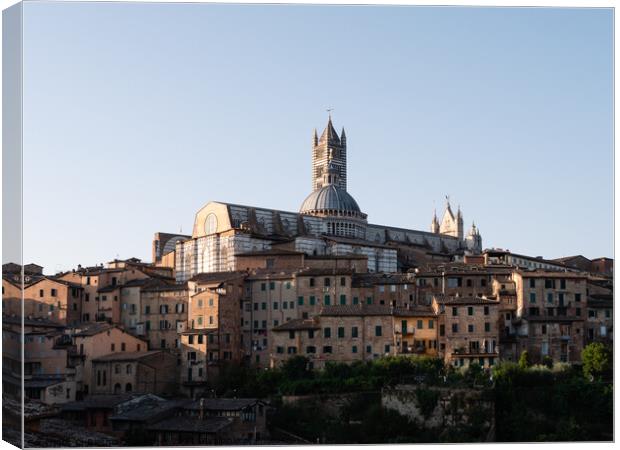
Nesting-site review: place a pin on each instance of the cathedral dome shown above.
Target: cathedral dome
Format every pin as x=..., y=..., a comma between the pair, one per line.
x=330, y=198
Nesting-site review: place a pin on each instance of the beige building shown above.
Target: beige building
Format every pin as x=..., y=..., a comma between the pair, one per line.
x=417, y=329
x=97, y=340
x=152, y=372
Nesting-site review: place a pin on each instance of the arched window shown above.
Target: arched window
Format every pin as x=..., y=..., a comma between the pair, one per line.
x=128, y=387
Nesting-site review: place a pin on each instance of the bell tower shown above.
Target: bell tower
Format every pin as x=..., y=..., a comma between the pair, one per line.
x=330, y=150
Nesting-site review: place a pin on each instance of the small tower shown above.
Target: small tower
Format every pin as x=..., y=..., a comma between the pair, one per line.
x=459, y=223
x=435, y=223
x=473, y=241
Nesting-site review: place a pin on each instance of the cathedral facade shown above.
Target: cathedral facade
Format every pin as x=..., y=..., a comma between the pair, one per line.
x=328, y=223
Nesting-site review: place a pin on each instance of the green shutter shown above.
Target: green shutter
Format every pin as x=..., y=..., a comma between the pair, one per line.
x=327, y=300
x=312, y=299
x=343, y=299
x=300, y=300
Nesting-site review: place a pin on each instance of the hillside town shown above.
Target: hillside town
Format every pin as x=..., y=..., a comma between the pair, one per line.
x=130, y=347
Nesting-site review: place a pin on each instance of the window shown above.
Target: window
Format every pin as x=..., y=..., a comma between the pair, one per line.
x=291, y=334
x=200, y=303
x=470, y=328
x=41, y=293
x=122, y=346
x=442, y=330
x=54, y=292
x=343, y=281
x=327, y=349
x=311, y=282
x=455, y=311
x=378, y=330
x=470, y=310
x=147, y=309
x=310, y=334
x=577, y=297
x=543, y=329
x=300, y=300
x=311, y=349
x=117, y=368
x=369, y=349
x=112, y=347
x=291, y=350
x=128, y=369
x=200, y=338
x=275, y=305
x=578, y=312
x=549, y=297
x=284, y=305
x=312, y=300
x=327, y=300
x=549, y=284
x=327, y=332
x=263, y=287
x=279, y=349
x=469, y=283
x=562, y=284
x=340, y=332
x=487, y=326
x=607, y=313
x=420, y=324
x=431, y=324
x=354, y=332
x=486, y=310
x=272, y=285
x=455, y=327
x=532, y=295
x=255, y=306
x=263, y=306
x=354, y=349
x=288, y=285
x=343, y=299
x=369, y=300
x=327, y=282
x=532, y=282
x=386, y=349
x=355, y=300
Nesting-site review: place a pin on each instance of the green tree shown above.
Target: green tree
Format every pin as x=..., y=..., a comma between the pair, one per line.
x=597, y=360
x=524, y=360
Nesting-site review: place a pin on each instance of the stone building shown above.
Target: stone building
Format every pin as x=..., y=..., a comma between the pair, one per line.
x=550, y=314
x=153, y=372
x=97, y=340
x=417, y=330
x=468, y=330
x=213, y=334
x=329, y=222
x=339, y=333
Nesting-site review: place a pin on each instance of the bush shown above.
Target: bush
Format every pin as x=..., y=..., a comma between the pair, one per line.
x=597, y=360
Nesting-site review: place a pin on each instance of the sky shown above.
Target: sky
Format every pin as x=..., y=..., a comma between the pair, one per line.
x=137, y=115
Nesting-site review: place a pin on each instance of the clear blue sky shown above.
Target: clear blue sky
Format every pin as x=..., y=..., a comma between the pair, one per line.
x=136, y=115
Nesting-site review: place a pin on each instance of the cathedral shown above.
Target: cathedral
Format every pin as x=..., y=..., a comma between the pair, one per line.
x=329, y=222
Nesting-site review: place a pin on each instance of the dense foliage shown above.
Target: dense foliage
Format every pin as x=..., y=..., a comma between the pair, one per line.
x=532, y=403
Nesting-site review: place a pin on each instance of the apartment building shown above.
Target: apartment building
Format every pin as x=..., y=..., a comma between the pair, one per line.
x=550, y=315
x=468, y=330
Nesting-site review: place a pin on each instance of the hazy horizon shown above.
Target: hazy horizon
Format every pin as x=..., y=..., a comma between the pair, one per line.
x=136, y=115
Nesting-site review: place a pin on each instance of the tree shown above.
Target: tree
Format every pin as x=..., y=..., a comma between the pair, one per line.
x=597, y=360
x=547, y=361
x=524, y=360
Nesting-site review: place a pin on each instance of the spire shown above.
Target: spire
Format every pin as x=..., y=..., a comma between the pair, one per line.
x=435, y=222
x=343, y=137
x=315, y=138
x=329, y=135
x=458, y=213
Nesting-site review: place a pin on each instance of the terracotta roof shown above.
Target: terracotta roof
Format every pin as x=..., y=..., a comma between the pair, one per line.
x=126, y=356
x=215, y=277
x=298, y=324
x=356, y=310
x=324, y=272
x=374, y=279
x=442, y=300
x=109, y=288
x=94, y=328
x=417, y=311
